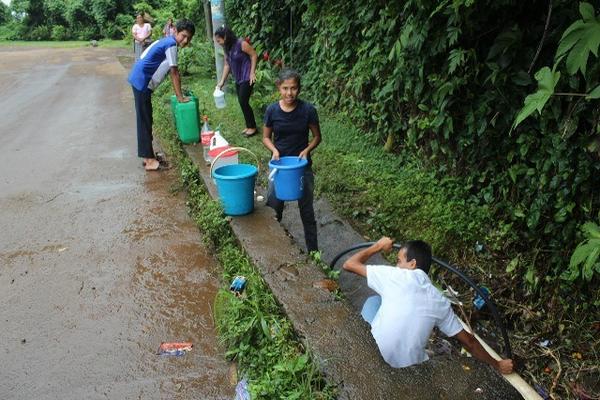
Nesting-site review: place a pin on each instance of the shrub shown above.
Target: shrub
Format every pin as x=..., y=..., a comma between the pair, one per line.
x=11, y=31
x=123, y=23
x=59, y=32
x=264, y=91
x=197, y=56
x=41, y=32
x=86, y=33
x=112, y=31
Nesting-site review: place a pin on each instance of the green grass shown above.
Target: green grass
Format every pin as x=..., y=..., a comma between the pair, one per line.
x=68, y=44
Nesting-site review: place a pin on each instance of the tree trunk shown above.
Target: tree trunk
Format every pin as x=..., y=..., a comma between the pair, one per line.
x=208, y=20
x=389, y=143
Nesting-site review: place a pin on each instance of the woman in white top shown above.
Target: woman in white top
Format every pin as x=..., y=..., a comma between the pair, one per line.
x=169, y=29
x=141, y=36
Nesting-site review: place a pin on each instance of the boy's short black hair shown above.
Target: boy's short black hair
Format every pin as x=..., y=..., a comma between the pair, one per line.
x=286, y=74
x=185, y=25
x=419, y=251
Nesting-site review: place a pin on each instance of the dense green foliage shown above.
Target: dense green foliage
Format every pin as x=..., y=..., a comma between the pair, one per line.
x=586, y=258
x=445, y=80
x=443, y=85
x=4, y=13
x=90, y=19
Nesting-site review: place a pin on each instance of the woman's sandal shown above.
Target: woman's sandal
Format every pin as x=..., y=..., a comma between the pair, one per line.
x=160, y=157
x=161, y=167
x=247, y=134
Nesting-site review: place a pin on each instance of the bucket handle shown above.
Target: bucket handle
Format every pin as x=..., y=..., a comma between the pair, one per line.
x=212, y=164
x=272, y=174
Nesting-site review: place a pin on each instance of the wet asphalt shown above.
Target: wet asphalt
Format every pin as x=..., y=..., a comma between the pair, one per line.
x=99, y=261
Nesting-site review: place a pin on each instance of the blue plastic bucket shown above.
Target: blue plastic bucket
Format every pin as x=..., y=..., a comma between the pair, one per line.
x=287, y=175
x=235, y=184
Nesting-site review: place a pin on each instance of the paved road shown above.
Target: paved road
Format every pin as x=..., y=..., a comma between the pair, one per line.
x=99, y=261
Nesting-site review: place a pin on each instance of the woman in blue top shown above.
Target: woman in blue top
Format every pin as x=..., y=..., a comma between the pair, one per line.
x=285, y=133
x=240, y=58
x=155, y=63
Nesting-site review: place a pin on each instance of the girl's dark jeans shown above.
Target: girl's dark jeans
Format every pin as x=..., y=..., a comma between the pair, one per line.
x=244, y=90
x=305, y=204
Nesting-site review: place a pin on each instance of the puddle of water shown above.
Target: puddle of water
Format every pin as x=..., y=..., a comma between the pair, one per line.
x=101, y=189
x=121, y=154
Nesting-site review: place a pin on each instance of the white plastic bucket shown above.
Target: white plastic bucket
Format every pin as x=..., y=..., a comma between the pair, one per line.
x=227, y=158
x=219, y=96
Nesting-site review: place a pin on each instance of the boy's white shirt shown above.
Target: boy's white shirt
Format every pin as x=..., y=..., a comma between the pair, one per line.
x=410, y=308
x=164, y=67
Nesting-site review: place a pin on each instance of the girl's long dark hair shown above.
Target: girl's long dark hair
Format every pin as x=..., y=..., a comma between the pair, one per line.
x=227, y=34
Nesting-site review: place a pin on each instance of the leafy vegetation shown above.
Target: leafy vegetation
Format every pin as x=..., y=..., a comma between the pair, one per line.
x=577, y=42
x=89, y=19
x=62, y=44
x=440, y=85
x=444, y=81
x=585, y=261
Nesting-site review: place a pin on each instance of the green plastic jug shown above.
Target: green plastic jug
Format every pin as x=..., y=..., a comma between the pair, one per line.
x=187, y=119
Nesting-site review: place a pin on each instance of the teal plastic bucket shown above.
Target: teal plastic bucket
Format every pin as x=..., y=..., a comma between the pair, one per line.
x=287, y=175
x=235, y=184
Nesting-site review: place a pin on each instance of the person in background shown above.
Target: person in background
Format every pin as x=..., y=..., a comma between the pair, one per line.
x=169, y=29
x=240, y=58
x=408, y=306
x=159, y=59
x=285, y=133
x=142, y=32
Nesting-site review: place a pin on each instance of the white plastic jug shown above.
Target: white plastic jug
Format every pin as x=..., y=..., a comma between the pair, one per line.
x=218, y=141
x=219, y=96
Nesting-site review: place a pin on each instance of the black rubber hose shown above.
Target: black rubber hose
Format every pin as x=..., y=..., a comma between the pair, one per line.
x=488, y=300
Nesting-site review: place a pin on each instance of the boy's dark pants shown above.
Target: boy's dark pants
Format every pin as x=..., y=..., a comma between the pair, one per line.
x=244, y=90
x=143, y=113
x=305, y=204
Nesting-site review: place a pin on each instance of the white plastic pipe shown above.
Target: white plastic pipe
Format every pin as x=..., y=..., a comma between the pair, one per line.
x=514, y=379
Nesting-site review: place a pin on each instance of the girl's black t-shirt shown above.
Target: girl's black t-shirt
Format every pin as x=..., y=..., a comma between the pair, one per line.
x=290, y=129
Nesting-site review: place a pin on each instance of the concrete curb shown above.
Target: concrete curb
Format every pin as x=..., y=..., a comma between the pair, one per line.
x=334, y=331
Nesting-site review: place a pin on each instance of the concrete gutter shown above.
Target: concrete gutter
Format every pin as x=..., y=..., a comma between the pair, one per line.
x=333, y=330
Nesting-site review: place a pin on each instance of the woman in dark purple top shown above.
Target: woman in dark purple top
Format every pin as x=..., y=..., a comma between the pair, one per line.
x=240, y=58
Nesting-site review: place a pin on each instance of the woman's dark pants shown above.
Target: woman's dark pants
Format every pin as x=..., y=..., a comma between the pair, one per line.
x=305, y=204
x=244, y=90
x=143, y=113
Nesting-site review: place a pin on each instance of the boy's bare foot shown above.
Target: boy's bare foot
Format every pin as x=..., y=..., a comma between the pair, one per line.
x=151, y=164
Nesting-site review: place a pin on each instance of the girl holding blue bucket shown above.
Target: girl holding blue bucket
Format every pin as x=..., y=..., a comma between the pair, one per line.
x=286, y=133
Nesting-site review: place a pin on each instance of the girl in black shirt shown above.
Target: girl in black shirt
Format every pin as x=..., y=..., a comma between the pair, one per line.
x=285, y=133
